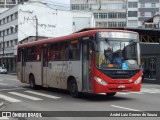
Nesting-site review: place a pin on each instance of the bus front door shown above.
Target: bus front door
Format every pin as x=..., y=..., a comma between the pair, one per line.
x=86, y=66
x=44, y=66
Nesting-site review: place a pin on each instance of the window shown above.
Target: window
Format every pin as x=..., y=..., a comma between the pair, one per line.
x=121, y=15
x=12, y=17
x=153, y=5
x=121, y=24
x=31, y=54
x=112, y=15
x=7, y=43
x=102, y=15
x=132, y=5
x=54, y=52
x=142, y=5
x=11, y=43
x=95, y=15
x=16, y=15
x=74, y=50
x=16, y=41
x=132, y=13
x=80, y=6
x=112, y=24
x=59, y=51
x=11, y=30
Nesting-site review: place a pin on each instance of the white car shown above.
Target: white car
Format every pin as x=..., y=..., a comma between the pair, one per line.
x=3, y=70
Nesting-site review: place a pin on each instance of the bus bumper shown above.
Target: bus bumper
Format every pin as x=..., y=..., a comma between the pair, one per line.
x=109, y=88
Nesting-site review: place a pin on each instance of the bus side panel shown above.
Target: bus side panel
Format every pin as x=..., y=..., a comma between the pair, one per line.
x=35, y=69
x=59, y=71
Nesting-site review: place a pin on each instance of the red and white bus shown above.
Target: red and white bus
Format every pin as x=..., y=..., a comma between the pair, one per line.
x=79, y=63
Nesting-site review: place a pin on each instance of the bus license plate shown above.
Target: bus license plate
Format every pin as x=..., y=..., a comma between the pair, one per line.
x=121, y=86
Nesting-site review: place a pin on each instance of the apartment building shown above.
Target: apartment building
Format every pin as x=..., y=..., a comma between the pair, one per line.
x=118, y=13
x=35, y=19
x=107, y=13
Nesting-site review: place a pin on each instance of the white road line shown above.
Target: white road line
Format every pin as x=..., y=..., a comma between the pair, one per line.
x=4, y=118
x=122, y=93
x=25, y=96
x=146, y=90
x=124, y=108
x=11, y=89
x=10, y=99
x=137, y=92
x=7, y=84
x=41, y=94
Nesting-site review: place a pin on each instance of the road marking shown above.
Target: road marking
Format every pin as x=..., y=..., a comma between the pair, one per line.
x=25, y=96
x=41, y=94
x=8, y=84
x=124, y=108
x=122, y=93
x=137, y=92
x=4, y=118
x=10, y=99
x=11, y=89
x=146, y=90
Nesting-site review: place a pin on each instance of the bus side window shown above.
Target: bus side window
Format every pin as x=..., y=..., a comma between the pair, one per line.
x=74, y=51
x=64, y=50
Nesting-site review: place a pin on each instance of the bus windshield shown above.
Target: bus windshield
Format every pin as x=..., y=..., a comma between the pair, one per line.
x=117, y=53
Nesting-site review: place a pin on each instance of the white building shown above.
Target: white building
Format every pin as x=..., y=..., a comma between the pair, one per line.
x=35, y=19
x=107, y=13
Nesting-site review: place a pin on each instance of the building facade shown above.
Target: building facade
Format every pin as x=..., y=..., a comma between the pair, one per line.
x=118, y=13
x=107, y=13
x=34, y=19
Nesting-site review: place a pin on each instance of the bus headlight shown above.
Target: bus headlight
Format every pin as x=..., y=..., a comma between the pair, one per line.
x=100, y=81
x=138, y=80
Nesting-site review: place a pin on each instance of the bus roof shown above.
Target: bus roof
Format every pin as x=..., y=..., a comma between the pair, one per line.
x=71, y=36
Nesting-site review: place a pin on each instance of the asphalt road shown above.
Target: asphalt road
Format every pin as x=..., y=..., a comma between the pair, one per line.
x=19, y=97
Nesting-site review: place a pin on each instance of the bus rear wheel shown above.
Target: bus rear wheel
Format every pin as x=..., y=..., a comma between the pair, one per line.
x=73, y=88
x=111, y=94
x=32, y=82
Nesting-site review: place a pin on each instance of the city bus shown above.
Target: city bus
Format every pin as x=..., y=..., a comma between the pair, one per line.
x=78, y=62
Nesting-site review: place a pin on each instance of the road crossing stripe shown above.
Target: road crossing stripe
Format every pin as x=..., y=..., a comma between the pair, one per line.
x=137, y=92
x=7, y=84
x=147, y=90
x=41, y=94
x=25, y=96
x=10, y=99
x=122, y=93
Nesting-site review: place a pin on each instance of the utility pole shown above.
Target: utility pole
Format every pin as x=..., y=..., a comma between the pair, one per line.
x=36, y=28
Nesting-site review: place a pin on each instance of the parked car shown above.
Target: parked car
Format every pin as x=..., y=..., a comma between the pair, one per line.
x=3, y=70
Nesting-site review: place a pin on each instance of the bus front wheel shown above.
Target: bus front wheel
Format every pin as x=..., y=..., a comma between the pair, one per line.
x=32, y=82
x=111, y=94
x=73, y=88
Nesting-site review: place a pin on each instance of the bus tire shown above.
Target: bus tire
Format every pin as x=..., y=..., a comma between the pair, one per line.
x=73, y=88
x=111, y=94
x=32, y=82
